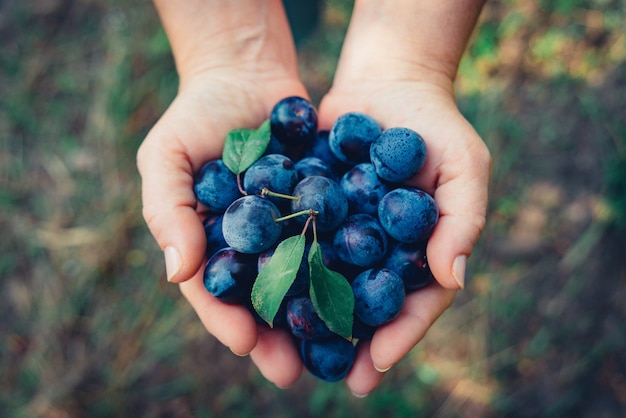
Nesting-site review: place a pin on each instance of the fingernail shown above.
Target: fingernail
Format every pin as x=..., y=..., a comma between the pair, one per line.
x=458, y=270
x=382, y=370
x=359, y=395
x=238, y=354
x=173, y=263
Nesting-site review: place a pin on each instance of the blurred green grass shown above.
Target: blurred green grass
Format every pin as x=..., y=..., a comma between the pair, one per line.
x=90, y=327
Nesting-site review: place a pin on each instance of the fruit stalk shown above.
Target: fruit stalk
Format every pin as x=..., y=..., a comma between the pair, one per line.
x=268, y=192
x=309, y=212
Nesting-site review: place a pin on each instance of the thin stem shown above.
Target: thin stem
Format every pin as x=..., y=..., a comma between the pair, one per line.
x=309, y=212
x=314, y=229
x=243, y=192
x=308, y=221
x=268, y=192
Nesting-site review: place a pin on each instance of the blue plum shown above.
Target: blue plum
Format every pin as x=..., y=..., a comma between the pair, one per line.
x=410, y=263
x=398, y=154
x=214, y=237
x=323, y=195
x=351, y=137
x=229, y=275
x=275, y=172
x=363, y=189
x=335, y=263
x=321, y=149
x=249, y=224
x=274, y=147
x=408, y=214
x=312, y=166
x=215, y=186
x=303, y=320
x=378, y=296
x=329, y=359
x=360, y=240
x=293, y=121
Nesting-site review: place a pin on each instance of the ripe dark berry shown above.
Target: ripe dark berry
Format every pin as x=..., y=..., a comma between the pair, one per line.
x=215, y=186
x=303, y=321
x=229, y=275
x=248, y=225
x=324, y=196
x=335, y=263
x=275, y=172
x=214, y=237
x=329, y=359
x=378, y=296
x=274, y=147
x=321, y=149
x=409, y=262
x=312, y=166
x=293, y=121
x=363, y=189
x=360, y=241
x=398, y=154
x=351, y=137
x=408, y=214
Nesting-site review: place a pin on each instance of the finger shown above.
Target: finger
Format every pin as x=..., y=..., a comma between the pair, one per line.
x=330, y=109
x=169, y=204
x=169, y=209
x=421, y=309
x=461, y=195
x=232, y=325
x=363, y=377
x=276, y=357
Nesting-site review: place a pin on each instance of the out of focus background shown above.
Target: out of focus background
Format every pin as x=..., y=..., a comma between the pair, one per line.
x=89, y=327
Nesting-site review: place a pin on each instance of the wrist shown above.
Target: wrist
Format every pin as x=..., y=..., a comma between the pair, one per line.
x=408, y=40
x=238, y=35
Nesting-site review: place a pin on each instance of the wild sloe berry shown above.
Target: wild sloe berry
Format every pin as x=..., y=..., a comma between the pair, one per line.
x=248, y=224
x=360, y=240
x=215, y=186
x=329, y=359
x=398, y=154
x=408, y=214
x=352, y=135
x=378, y=296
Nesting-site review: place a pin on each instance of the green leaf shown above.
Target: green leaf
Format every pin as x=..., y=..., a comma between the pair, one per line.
x=276, y=277
x=244, y=146
x=331, y=294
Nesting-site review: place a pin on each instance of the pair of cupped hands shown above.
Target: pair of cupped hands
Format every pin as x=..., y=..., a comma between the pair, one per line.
x=237, y=86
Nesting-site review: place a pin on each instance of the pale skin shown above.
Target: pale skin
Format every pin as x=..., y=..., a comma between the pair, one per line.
x=236, y=59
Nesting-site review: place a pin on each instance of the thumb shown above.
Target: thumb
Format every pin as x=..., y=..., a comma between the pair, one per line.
x=462, y=202
x=169, y=205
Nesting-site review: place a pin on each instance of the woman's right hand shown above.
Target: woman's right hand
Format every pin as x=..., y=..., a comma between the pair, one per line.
x=236, y=60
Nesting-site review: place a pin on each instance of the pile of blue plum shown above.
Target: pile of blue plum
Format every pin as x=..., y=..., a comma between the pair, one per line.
x=372, y=228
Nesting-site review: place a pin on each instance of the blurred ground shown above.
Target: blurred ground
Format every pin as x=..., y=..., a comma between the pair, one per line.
x=90, y=327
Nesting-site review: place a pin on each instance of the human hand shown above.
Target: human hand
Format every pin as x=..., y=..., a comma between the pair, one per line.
x=231, y=82
x=398, y=89
x=456, y=174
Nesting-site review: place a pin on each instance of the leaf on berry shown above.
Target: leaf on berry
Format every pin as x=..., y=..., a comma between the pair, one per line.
x=274, y=280
x=245, y=146
x=331, y=294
